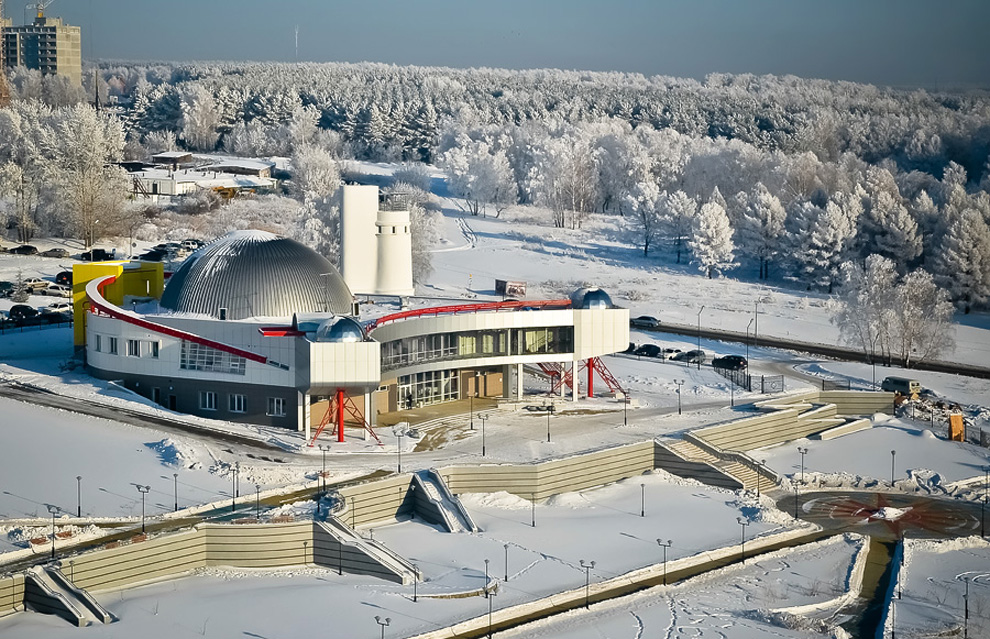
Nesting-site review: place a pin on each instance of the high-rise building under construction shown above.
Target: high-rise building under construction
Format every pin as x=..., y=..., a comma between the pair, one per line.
x=47, y=45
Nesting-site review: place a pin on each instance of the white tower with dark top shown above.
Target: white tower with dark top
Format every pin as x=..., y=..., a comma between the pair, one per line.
x=376, y=243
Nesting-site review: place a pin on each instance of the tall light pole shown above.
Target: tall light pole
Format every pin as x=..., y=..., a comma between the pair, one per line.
x=233, y=485
x=78, y=495
x=873, y=359
x=323, y=473
x=747, y=339
x=983, y=520
x=491, y=600
x=548, y=419
x=257, y=501
x=532, y=502
x=743, y=523
x=756, y=318
x=415, y=582
x=384, y=623
x=642, y=500
x=665, y=545
x=803, y=451
x=53, y=509
x=893, y=454
x=700, y=311
x=486, y=578
x=483, y=418
x=237, y=479
x=625, y=408
x=587, y=582
x=679, y=382
x=175, y=491
x=506, y=547
x=144, y=490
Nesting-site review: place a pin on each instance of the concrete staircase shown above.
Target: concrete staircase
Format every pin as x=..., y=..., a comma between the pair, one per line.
x=738, y=471
x=48, y=591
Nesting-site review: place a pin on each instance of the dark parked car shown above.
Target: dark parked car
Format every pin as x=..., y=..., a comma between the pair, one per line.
x=644, y=321
x=649, y=350
x=154, y=255
x=64, y=278
x=731, y=362
x=97, y=255
x=7, y=289
x=55, y=252
x=22, y=311
x=25, y=249
x=691, y=357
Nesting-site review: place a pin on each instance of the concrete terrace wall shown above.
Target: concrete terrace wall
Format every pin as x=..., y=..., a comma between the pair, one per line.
x=11, y=594
x=858, y=402
x=376, y=501
x=705, y=473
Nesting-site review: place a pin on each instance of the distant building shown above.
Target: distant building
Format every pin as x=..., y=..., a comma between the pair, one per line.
x=47, y=45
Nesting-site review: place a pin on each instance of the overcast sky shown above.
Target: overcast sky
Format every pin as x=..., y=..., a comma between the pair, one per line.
x=931, y=43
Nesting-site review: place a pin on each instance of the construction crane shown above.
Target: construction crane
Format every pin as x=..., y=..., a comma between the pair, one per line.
x=41, y=6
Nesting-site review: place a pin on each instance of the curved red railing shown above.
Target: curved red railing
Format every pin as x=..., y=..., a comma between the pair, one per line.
x=100, y=306
x=467, y=308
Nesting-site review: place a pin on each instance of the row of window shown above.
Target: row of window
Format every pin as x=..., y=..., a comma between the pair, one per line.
x=452, y=346
x=135, y=348
x=237, y=403
x=197, y=357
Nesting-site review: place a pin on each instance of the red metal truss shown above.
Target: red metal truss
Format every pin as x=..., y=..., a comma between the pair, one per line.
x=606, y=375
x=468, y=308
x=562, y=376
x=339, y=404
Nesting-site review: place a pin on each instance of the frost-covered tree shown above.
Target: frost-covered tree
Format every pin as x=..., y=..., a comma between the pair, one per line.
x=646, y=206
x=963, y=263
x=160, y=142
x=894, y=232
x=479, y=173
x=315, y=174
x=712, y=244
x=865, y=315
x=923, y=319
x=762, y=226
x=199, y=118
x=677, y=219
x=826, y=246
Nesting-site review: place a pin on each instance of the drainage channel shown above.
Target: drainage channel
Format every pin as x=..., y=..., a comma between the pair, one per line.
x=629, y=587
x=868, y=615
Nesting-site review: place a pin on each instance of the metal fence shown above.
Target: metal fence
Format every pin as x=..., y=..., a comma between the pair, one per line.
x=12, y=327
x=758, y=383
x=836, y=384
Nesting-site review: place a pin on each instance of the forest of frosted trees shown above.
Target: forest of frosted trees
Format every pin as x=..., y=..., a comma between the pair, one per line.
x=762, y=177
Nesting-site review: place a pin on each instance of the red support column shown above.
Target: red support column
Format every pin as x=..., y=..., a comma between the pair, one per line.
x=340, y=415
x=591, y=377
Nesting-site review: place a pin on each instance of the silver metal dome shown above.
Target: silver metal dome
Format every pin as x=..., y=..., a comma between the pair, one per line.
x=256, y=274
x=590, y=298
x=340, y=329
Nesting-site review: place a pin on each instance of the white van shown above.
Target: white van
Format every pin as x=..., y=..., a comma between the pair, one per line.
x=902, y=385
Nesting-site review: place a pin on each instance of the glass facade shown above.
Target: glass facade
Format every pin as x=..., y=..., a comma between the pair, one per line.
x=473, y=344
x=432, y=387
x=196, y=357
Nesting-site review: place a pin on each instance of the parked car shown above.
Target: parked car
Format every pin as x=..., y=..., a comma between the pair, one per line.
x=731, y=362
x=540, y=408
x=55, y=290
x=649, y=350
x=64, y=278
x=22, y=311
x=55, y=252
x=154, y=255
x=644, y=321
x=61, y=306
x=25, y=249
x=54, y=317
x=97, y=255
x=7, y=289
x=33, y=284
x=691, y=357
x=669, y=350
x=191, y=244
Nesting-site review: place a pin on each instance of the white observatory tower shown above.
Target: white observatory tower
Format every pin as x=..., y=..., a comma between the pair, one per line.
x=375, y=242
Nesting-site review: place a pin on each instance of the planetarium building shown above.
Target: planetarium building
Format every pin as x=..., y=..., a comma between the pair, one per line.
x=260, y=329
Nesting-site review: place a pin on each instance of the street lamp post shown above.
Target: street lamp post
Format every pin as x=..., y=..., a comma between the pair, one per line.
x=747, y=338
x=398, y=450
x=625, y=408
x=237, y=479
x=486, y=578
x=873, y=359
x=665, y=545
x=642, y=500
x=415, y=583
x=53, y=509
x=175, y=491
x=699, y=334
x=144, y=490
x=548, y=419
x=532, y=502
x=384, y=623
x=756, y=318
x=732, y=394
x=803, y=451
x=587, y=582
x=506, y=547
x=491, y=600
x=233, y=485
x=983, y=521
x=679, y=382
x=78, y=495
x=795, y=501
x=323, y=472
x=483, y=418
x=743, y=523
x=257, y=501
x=893, y=453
